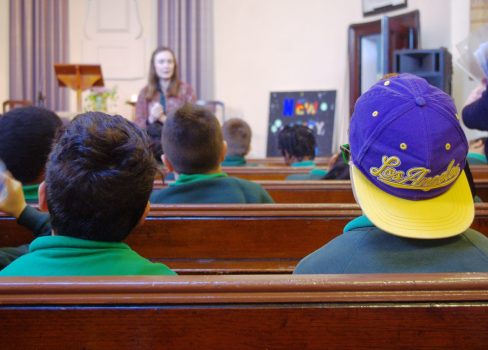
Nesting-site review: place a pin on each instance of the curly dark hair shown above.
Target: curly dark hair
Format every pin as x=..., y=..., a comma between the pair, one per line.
x=297, y=141
x=99, y=178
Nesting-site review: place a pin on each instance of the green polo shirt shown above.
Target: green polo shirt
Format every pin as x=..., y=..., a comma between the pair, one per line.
x=69, y=256
x=359, y=222
x=210, y=188
x=191, y=178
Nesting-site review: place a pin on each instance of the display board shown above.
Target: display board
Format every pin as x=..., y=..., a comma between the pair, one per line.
x=314, y=109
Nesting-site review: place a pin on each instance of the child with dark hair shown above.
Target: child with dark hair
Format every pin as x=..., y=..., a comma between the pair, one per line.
x=98, y=181
x=193, y=150
x=297, y=145
x=237, y=134
x=27, y=135
x=26, y=138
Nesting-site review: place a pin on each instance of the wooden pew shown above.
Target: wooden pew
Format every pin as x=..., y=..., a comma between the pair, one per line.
x=479, y=171
x=279, y=161
x=333, y=191
x=281, y=172
x=330, y=191
x=408, y=311
x=265, y=172
x=232, y=238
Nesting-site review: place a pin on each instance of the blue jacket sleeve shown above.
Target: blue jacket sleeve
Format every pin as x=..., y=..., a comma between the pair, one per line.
x=475, y=115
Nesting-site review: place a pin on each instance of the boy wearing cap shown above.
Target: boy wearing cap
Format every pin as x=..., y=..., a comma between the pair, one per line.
x=407, y=159
x=193, y=149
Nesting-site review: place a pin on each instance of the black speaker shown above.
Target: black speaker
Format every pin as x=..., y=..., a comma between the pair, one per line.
x=435, y=66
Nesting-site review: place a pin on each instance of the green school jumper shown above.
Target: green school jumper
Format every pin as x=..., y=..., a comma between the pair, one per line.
x=364, y=248
x=210, y=188
x=69, y=256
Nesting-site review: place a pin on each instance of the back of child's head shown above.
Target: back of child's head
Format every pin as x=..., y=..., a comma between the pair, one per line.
x=237, y=134
x=192, y=140
x=297, y=141
x=26, y=138
x=99, y=178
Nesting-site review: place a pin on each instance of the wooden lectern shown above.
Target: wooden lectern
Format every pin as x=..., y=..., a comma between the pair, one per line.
x=79, y=77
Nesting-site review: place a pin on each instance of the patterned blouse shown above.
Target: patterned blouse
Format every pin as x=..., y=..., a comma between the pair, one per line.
x=143, y=105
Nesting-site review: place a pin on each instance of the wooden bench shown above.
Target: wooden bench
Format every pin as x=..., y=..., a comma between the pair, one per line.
x=479, y=171
x=265, y=172
x=281, y=172
x=210, y=239
x=423, y=311
x=279, y=161
x=321, y=191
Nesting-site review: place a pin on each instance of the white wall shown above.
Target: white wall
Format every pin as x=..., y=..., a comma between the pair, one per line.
x=121, y=38
x=262, y=46
x=273, y=45
x=4, y=59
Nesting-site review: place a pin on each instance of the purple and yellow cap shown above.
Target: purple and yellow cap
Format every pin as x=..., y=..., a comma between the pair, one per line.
x=408, y=153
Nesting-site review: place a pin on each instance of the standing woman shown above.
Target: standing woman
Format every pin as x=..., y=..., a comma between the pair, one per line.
x=163, y=94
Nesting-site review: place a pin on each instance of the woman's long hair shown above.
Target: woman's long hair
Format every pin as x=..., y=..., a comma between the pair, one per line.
x=153, y=81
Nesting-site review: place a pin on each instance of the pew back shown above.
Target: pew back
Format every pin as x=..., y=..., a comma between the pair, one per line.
x=233, y=238
x=430, y=311
x=281, y=172
x=321, y=191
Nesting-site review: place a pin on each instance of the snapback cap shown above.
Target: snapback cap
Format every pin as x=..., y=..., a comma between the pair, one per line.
x=408, y=155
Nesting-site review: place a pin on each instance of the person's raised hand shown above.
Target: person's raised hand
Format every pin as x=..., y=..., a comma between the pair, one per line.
x=14, y=203
x=156, y=113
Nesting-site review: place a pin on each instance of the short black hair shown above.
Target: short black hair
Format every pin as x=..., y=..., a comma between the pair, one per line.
x=26, y=138
x=192, y=140
x=297, y=141
x=99, y=178
x=237, y=133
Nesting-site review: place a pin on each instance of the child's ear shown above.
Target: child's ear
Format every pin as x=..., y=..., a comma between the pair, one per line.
x=224, y=151
x=42, y=197
x=167, y=163
x=143, y=217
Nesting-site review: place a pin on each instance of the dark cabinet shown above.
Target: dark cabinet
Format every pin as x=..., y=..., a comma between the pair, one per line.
x=435, y=66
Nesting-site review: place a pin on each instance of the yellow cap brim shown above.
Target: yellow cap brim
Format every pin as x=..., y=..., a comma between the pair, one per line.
x=446, y=215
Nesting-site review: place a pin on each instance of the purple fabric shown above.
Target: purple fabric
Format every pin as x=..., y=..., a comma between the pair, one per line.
x=38, y=40
x=185, y=27
x=406, y=118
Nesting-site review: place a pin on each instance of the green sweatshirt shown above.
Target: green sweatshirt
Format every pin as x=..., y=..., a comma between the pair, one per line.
x=210, y=188
x=69, y=256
